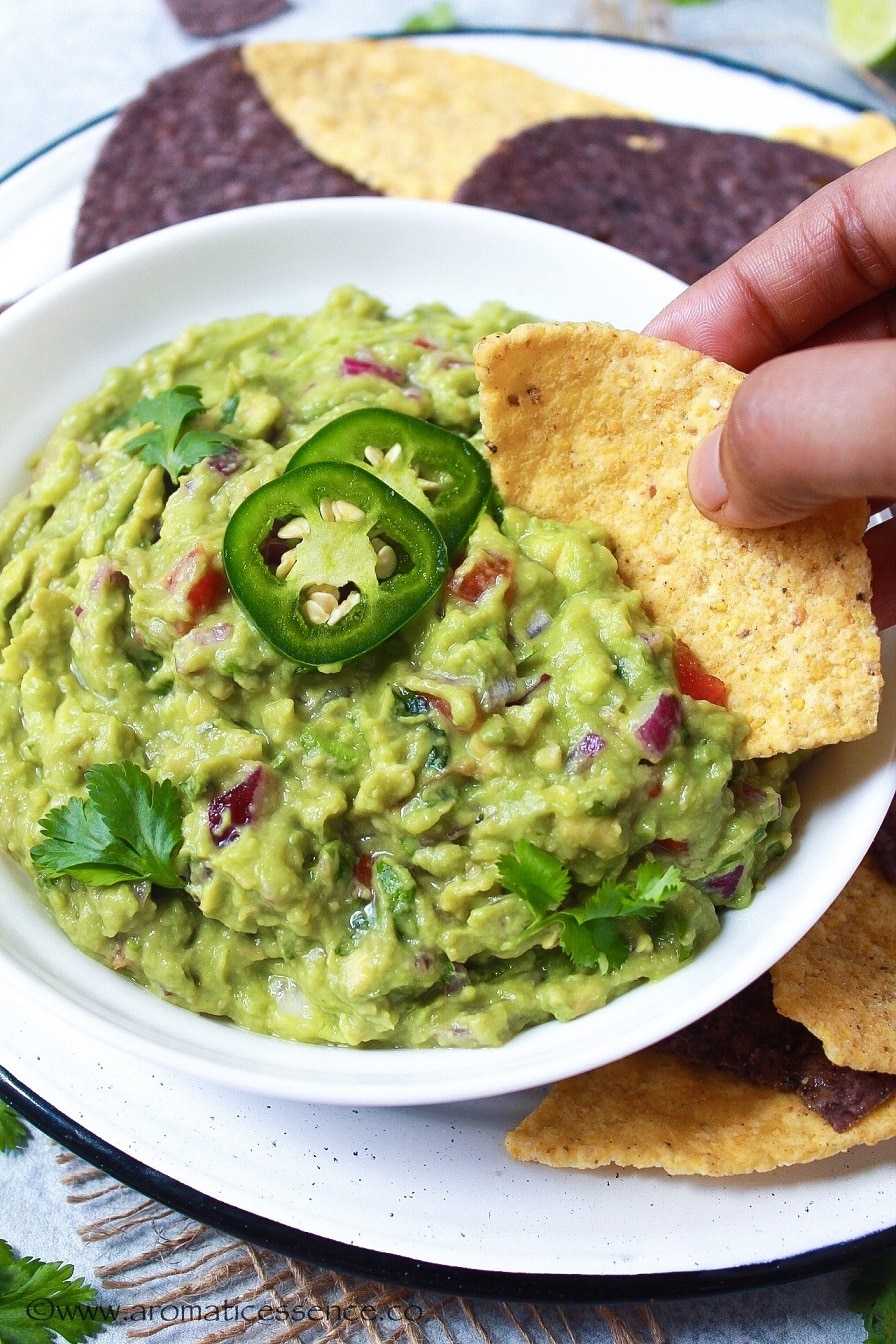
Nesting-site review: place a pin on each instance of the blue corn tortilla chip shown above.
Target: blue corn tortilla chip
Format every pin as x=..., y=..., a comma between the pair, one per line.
x=201, y=139
x=682, y=198
x=216, y=18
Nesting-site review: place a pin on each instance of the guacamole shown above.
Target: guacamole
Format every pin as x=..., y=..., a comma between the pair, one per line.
x=345, y=831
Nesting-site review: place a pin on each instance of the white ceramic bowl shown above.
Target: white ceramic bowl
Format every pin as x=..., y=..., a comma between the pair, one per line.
x=55, y=346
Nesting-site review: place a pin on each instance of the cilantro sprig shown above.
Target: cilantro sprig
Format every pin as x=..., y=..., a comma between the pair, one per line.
x=40, y=1300
x=169, y=444
x=13, y=1133
x=126, y=830
x=589, y=934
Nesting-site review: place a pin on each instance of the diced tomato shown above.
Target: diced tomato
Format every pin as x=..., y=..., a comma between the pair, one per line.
x=202, y=583
x=473, y=583
x=694, y=680
x=207, y=593
x=675, y=846
x=363, y=873
x=424, y=344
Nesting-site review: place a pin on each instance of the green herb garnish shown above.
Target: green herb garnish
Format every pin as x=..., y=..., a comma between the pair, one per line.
x=127, y=830
x=40, y=1300
x=228, y=409
x=874, y=1298
x=13, y=1133
x=589, y=935
x=439, y=18
x=169, y=444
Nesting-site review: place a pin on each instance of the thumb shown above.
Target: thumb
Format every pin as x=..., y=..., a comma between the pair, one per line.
x=803, y=430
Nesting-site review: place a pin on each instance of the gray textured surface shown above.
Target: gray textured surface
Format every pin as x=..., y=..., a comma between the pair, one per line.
x=63, y=62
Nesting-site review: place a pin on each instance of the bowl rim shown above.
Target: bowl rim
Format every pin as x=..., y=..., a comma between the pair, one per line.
x=110, y=1007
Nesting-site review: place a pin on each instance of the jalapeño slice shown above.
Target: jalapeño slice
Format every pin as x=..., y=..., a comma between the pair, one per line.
x=441, y=473
x=328, y=561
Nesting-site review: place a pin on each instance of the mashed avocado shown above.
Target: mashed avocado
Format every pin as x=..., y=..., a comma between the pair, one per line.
x=342, y=831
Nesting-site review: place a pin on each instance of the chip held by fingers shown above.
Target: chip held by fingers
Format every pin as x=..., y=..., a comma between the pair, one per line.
x=587, y=422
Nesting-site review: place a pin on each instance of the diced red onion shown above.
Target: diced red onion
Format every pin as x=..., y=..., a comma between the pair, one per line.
x=355, y=367
x=722, y=885
x=213, y=634
x=226, y=463
x=526, y=686
x=274, y=547
x=584, y=752
x=236, y=807
x=655, y=734
x=654, y=639
x=106, y=573
x=538, y=623
x=497, y=696
x=751, y=794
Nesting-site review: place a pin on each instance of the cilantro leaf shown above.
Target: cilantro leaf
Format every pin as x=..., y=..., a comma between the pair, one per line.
x=874, y=1298
x=654, y=884
x=535, y=875
x=228, y=409
x=169, y=445
x=593, y=943
x=126, y=831
x=589, y=934
x=39, y=1300
x=13, y=1133
x=439, y=18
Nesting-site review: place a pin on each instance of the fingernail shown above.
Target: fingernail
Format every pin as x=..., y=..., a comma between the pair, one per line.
x=705, y=480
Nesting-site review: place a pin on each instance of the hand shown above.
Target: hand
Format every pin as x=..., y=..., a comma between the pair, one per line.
x=811, y=307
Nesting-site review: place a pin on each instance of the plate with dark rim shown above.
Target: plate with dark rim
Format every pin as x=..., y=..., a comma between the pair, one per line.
x=426, y=1196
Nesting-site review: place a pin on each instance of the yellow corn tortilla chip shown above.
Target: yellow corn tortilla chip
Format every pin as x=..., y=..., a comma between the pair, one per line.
x=653, y=1110
x=864, y=138
x=587, y=422
x=407, y=120
x=840, y=979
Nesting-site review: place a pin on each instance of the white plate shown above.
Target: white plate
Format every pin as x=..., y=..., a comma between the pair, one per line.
x=434, y=1185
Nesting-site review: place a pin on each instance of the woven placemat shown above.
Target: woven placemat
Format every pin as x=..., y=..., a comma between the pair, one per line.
x=170, y=1276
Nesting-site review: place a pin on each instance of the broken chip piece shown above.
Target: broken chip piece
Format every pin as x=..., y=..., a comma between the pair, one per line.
x=587, y=422
x=748, y=1037
x=864, y=138
x=655, y=1110
x=840, y=979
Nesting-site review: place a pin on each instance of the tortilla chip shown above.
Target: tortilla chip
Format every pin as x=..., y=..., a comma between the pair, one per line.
x=407, y=120
x=840, y=980
x=653, y=1110
x=586, y=422
x=864, y=138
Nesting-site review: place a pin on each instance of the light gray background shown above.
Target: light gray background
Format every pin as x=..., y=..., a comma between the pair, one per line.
x=64, y=62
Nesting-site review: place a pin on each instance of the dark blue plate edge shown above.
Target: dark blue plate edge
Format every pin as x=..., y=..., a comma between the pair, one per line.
x=423, y=1275
x=394, y=1269
x=54, y=144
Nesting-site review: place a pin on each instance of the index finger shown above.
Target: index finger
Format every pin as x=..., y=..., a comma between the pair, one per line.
x=831, y=254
